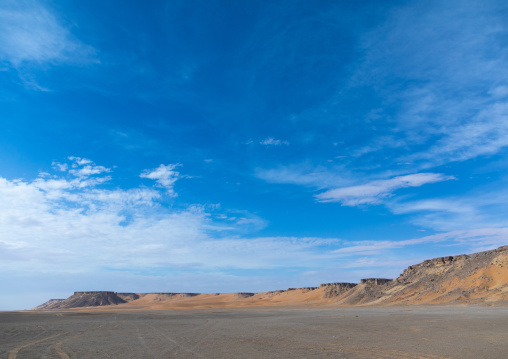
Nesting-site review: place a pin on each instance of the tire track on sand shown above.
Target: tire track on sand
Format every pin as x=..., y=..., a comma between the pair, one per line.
x=379, y=353
x=58, y=346
x=14, y=352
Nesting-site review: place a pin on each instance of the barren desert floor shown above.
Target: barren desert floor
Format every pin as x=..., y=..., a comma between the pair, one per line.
x=376, y=332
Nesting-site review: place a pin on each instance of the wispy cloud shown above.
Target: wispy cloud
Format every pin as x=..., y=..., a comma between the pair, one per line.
x=480, y=208
x=375, y=191
x=55, y=222
x=270, y=141
x=435, y=99
x=79, y=161
x=475, y=239
x=30, y=32
x=307, y=175
x=82, y=167
x=486, y=133
x=164, y=175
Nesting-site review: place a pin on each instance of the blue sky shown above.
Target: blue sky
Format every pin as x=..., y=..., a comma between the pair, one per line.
x=212, y=146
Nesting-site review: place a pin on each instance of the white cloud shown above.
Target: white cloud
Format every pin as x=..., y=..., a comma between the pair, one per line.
x=484, y=134
x=477, y=209
x=49, y=225
x=270, y=141
x=458, y=206
x=30, y=32
x=375, y=191
x=60, y=166
x=480, y=239
x=89, y=170
x=164, y=175
x=81, y=167
x=306, y=175
x=53, y=223
x=80, y=161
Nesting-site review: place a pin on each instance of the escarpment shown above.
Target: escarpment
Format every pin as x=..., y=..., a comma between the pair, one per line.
x=475, y=278
x=466, y=279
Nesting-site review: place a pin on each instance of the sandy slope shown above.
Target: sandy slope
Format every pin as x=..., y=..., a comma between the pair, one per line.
x=224, y=300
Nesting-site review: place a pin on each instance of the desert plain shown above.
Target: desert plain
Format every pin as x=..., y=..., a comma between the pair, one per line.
x=262, y=332
x=448, y=307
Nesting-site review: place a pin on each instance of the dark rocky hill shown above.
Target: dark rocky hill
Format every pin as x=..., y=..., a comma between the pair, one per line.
x=84, y=299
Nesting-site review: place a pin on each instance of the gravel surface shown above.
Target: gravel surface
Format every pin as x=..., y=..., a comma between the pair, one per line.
x=376, y=332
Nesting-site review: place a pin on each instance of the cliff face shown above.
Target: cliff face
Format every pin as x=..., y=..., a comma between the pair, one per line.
x=476, y=278
x=332, y=290
x=479, y=277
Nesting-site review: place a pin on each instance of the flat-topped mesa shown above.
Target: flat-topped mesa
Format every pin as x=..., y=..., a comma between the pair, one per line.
x=339, y=285
x=93, y=299
x=375, y=281
x=96, y=292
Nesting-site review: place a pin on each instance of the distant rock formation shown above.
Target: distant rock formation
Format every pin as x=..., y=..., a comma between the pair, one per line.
x=50, y=304
x=476, y=278
x=84, y=299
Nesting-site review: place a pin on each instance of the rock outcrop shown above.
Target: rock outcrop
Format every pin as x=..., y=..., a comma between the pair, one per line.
x=333, y=290
x=128, y=296
x=479, y=277
x=84, y=299
x=244, y=295
x=50, y=304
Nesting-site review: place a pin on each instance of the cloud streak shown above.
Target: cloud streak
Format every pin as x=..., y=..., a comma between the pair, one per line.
x=375, y=191
x=31, y=33
x=476, y=240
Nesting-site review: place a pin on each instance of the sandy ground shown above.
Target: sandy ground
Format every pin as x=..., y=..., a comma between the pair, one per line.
x=375, y=332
